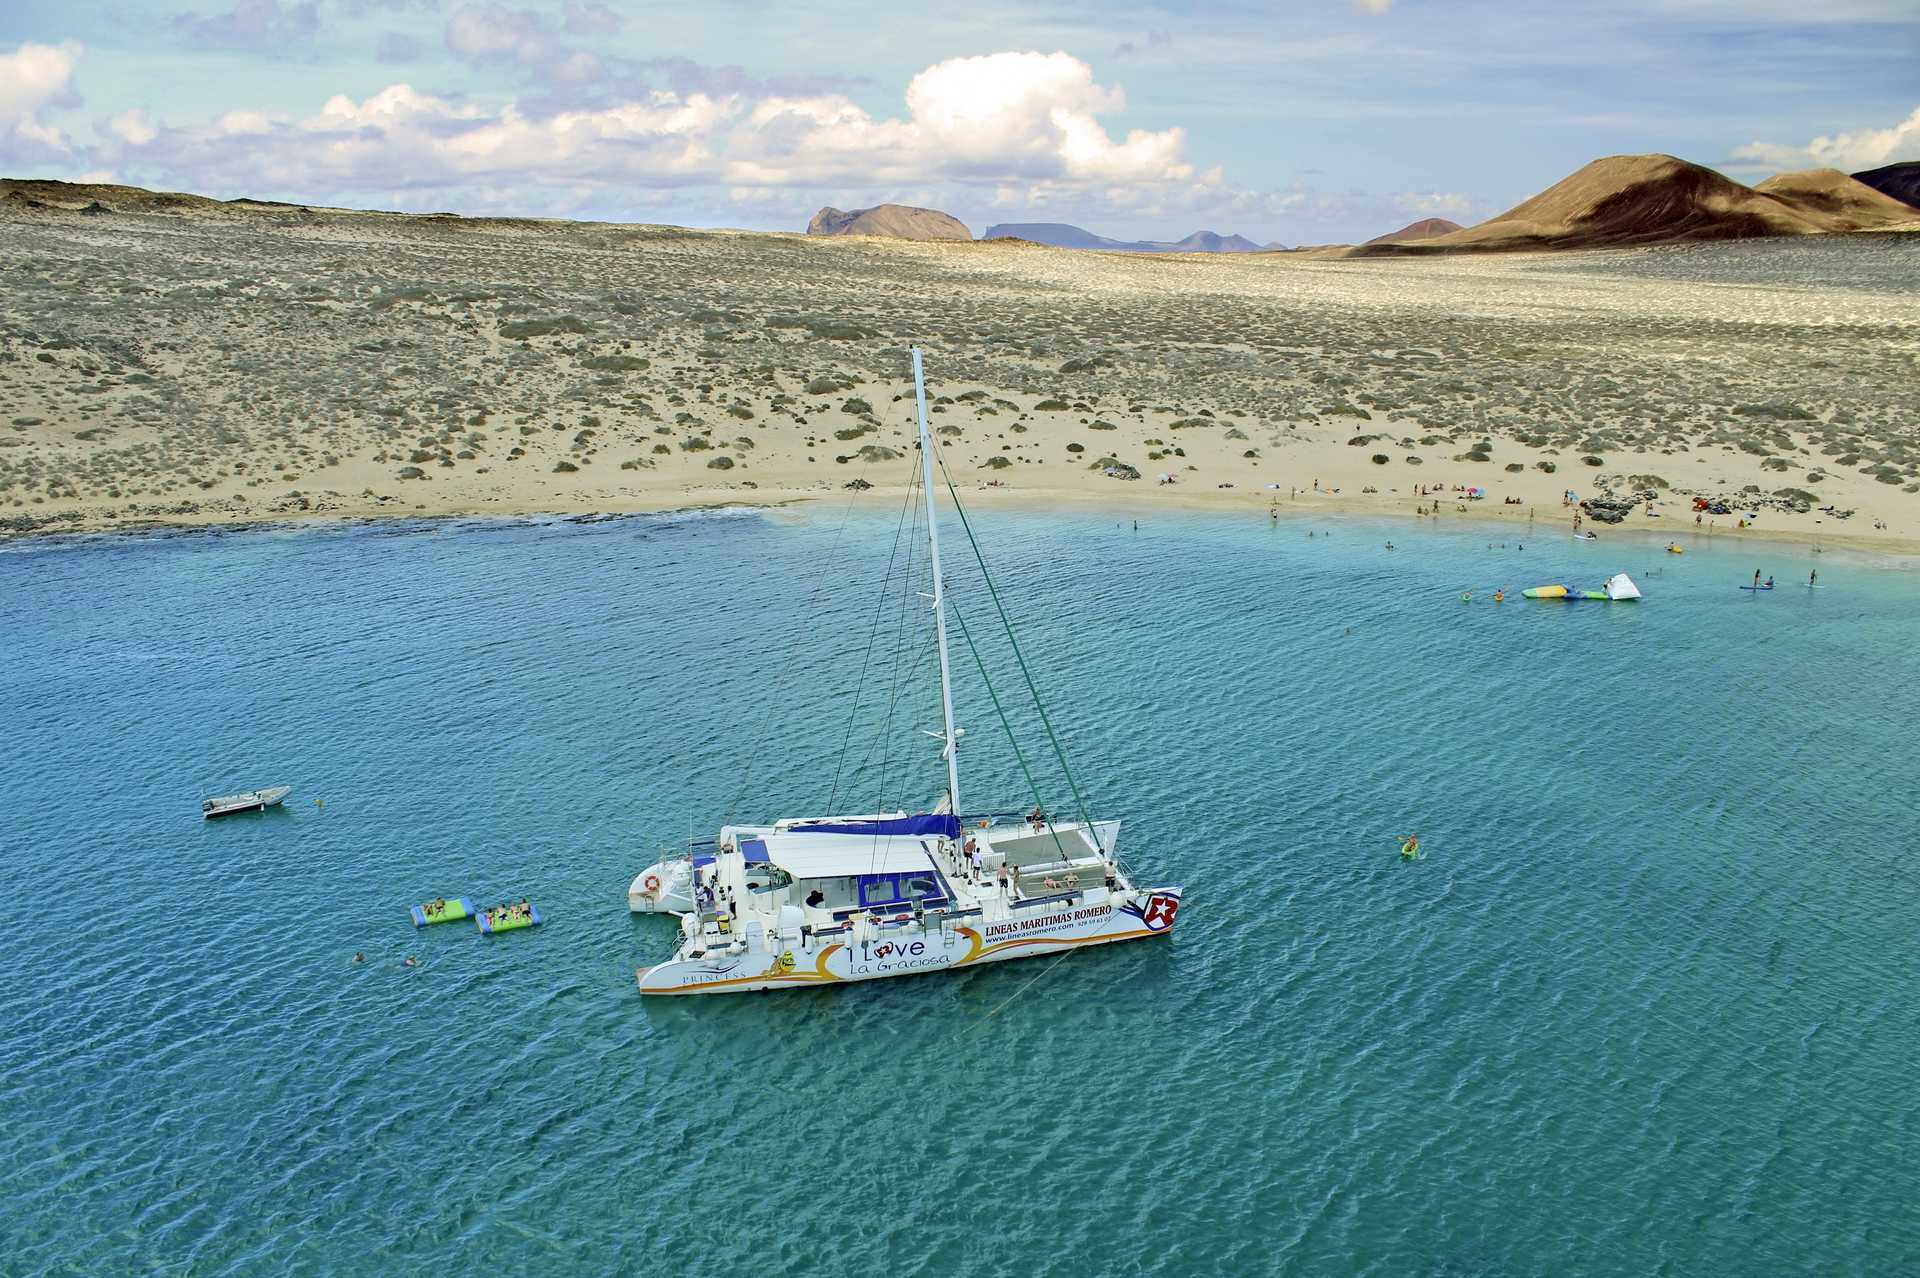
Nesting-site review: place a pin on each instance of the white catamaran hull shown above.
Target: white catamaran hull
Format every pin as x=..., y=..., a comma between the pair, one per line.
x=665, y=887
x=867, y=953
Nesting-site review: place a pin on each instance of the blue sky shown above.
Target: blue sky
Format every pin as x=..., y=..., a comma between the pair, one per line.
x=1297, y=122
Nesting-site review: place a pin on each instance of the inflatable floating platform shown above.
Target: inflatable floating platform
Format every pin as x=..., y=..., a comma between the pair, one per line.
x=1619, y=587
x=490, y=926
x=456, y=909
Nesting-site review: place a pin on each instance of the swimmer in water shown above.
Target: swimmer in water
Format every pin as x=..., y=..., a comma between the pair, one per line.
x=1389, y=545
x=409, y=961
x=358, y=957
x=1813, y=576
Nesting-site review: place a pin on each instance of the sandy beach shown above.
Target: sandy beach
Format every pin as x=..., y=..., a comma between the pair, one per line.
x=187, y=362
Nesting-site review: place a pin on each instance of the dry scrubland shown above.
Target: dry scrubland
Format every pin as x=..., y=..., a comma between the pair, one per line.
x=243, y=362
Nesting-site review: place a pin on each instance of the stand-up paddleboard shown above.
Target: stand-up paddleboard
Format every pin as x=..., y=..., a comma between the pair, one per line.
x=1756, y=587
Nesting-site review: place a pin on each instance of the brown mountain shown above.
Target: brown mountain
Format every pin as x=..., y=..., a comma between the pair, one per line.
x=1850, y=205
x=1901, y=181
x=1658, y=199
x=1425, y=229
x=895, y=221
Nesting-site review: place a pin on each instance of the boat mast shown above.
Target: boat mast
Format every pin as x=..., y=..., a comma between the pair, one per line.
x=952, y=737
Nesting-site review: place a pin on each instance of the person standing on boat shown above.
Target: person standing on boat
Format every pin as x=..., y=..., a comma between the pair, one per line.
x=976, y=862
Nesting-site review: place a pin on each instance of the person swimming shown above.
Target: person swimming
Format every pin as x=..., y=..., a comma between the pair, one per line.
x=409, y=961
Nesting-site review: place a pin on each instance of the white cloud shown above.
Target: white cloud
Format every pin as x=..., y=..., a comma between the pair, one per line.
x=1027, y=116
x=1451, y=205
x=1848, y=152
x=590, y=19
x=1373, y=6
x=1018, y=134
x=33, y=78
x=133, y=126
x=490, y=31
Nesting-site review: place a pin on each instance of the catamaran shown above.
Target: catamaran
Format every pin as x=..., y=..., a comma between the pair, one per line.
x=812, y=901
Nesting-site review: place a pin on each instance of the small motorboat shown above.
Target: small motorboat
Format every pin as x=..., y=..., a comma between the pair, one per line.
x=251, y=801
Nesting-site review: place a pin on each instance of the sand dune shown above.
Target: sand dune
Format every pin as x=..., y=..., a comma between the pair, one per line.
x=1626, y=200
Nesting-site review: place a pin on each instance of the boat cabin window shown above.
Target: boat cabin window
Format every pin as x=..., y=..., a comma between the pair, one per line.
x=899, y=889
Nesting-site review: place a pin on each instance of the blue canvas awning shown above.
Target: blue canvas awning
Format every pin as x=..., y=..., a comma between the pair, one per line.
x=944, y=825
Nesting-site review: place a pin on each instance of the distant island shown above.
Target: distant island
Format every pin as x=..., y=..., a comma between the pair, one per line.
x=1062, y=235
x=892, y=221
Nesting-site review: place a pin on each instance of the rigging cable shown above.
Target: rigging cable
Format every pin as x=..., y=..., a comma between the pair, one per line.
x=1026, y=674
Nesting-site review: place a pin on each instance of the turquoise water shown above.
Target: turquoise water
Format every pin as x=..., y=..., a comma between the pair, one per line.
x=1646, y=1007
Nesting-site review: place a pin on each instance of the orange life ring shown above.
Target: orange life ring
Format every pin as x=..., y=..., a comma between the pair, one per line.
x=652, y=884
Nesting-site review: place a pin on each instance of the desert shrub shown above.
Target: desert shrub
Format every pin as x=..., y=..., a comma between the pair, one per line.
x=824, y=386
x=694, y=444
x=1412, y=460
x=995, y=463
x=1776, y=463
x=412, y=472
x=1545, y=467
x=1591, y=460
x=1052, y=406
x=1514, y=468
x=879, y=453
x=615, y=363
x=1380, y=459
x=1774, y=412
x=1192, y=423
x=419, y=455
x=744, y=443
x=543, y=327
x=852, y=432
x=1647, y=481
x=564, y=468
x=1076, y=448
x=949, y=432
x=1101, y=425
x=856, y=405
x=744, y=413
x=635, y=463
x=722, y=462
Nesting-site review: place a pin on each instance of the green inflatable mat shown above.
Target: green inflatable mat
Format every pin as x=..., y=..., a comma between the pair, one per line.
x=489, y=926
x=457, y=908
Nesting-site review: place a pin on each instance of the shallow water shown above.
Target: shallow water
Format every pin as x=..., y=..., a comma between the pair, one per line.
x=1645, y=1007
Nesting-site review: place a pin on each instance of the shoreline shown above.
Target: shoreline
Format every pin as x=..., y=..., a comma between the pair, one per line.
x=1899, y=551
